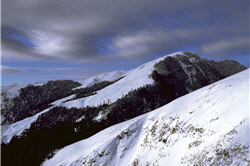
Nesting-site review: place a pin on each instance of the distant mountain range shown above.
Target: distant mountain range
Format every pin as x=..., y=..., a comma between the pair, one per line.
x=39, y=119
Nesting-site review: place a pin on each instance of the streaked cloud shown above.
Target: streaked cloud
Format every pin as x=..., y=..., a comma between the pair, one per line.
x=227, y=47
x=53, y=73
x=10, y=70
x=122, y=33
x=69, y=31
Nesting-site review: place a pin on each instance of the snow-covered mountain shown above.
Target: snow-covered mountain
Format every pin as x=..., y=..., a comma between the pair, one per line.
x=188, y=72
x=189, y=65
x=52, y=115
x=207, y=127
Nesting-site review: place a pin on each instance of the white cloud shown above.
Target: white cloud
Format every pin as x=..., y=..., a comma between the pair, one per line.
x=47, y=43
x=150, y=42
x=227, y=46
x=69, y=31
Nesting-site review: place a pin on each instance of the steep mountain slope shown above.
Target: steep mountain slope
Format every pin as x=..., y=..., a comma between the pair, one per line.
x=207, y=127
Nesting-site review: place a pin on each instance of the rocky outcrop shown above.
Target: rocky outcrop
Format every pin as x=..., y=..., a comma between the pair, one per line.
x=188, y=72
x=228, y=67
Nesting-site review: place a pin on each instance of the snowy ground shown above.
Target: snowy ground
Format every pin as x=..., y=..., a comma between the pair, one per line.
x=208, y=126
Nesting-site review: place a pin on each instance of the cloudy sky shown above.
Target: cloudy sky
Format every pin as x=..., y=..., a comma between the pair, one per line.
x=74, y=39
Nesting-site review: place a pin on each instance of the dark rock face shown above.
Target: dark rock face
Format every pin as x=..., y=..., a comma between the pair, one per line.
x=188, y=72
x=228, y=67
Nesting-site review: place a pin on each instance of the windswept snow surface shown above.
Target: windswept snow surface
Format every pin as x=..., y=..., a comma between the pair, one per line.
x=134, y=79
x=209, y=126
x=16, y=129
x=110, y=76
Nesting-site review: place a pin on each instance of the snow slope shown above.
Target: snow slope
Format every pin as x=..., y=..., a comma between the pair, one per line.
x=207, y=126
x=122, y=87
x=110, y=76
